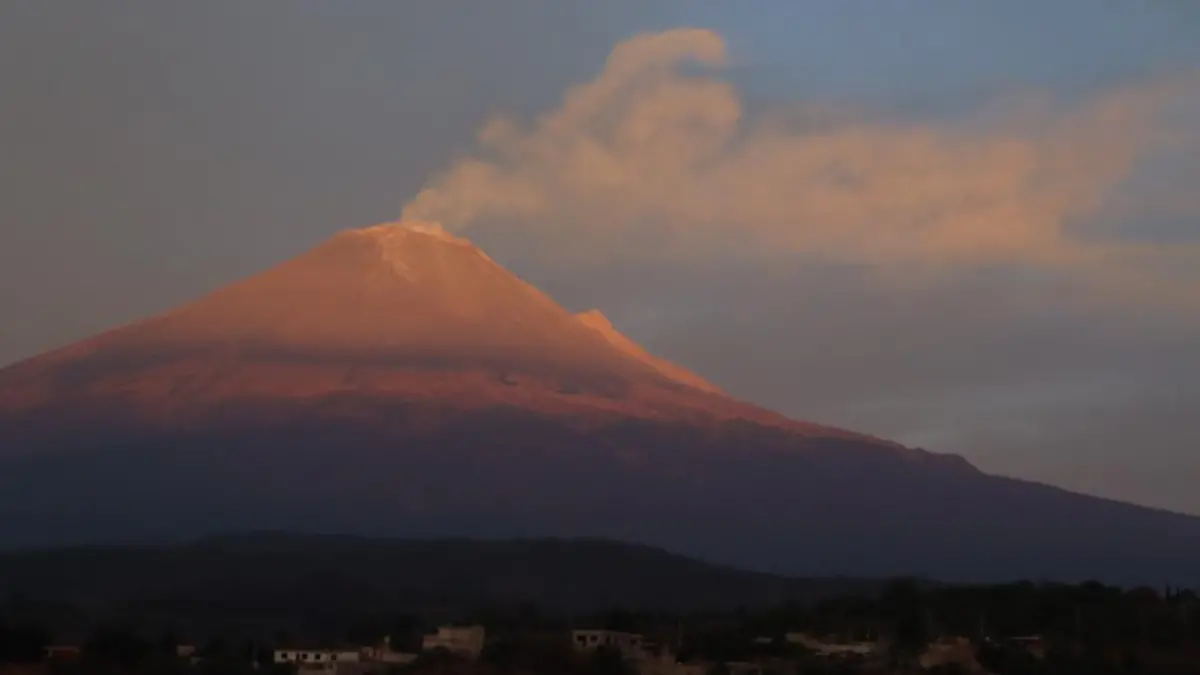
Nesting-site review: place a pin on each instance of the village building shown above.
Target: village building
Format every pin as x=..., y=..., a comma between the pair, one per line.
x=343, y=661
x=466, y=641
x=1034, y=645
x=630, y=645
x=743, y=668
x=185, y=651
x=384, y=654
x=62, y=652
x=315, y=661
x=648, y=658
x=950, y=651
x=831, y=648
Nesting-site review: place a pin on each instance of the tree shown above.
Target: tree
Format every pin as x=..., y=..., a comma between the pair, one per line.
x=116, y=646
x=531, y=653
x=949, y=669
x=608, y=661
x=718, y=668
x=904, y=606
x=21, y=643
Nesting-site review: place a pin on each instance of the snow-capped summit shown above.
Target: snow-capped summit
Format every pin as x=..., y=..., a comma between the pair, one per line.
x=394, y=232
x=399, y=242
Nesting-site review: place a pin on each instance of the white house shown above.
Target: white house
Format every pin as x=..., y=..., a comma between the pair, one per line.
x=348, y=661
x=462, y=640
x=317, y=660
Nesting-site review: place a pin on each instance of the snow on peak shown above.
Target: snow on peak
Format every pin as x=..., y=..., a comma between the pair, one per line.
x=393, y=239
x=392, y=233
x=434, y=230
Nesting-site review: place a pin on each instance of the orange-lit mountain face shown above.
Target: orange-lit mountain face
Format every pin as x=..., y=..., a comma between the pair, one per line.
x=397, y=381
x=400, y=311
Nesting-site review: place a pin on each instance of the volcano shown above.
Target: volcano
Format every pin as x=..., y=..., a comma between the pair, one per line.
x=403, y=313
x=397, y=381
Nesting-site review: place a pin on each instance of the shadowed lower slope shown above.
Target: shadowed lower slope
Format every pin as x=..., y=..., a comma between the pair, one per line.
x=281, y=573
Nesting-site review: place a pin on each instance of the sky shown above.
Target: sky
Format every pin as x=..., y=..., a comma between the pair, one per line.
x=970, y=227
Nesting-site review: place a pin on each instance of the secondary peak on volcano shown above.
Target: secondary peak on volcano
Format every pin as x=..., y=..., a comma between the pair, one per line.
x=595, y=319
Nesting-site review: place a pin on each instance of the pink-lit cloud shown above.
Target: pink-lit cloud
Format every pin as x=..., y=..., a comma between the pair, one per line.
x=659, y=150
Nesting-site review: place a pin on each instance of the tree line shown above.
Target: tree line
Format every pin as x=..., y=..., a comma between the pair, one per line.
x=1091, y=625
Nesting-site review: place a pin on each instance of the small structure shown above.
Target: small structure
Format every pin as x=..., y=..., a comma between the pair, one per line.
x=631, y=645
x=947, y=651
x=188, y=653
x=384, y=654
x=62, y=652
x=832, y=649
x=315, y=661
x=1034, y=645
x=665, y=663
x=743, y=668
x=343, y=661
x=691, y=668
x=464, y=641
x=185, y=651
x=645, y=657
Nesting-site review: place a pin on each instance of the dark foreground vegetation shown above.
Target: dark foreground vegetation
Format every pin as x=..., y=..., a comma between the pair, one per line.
x=224, y=605
x=1087, y=629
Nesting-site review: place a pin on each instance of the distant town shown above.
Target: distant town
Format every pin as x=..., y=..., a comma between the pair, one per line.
x=906, y=627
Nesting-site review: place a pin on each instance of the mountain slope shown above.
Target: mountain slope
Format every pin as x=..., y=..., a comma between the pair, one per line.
x=397, y=381
x=596, y=320
x=267, y=570
x=400, y=311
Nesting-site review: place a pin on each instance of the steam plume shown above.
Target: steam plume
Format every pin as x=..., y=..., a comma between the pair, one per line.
x=655, y=147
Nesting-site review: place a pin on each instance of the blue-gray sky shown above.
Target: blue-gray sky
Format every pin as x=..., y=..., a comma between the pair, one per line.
x=1042, y=320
